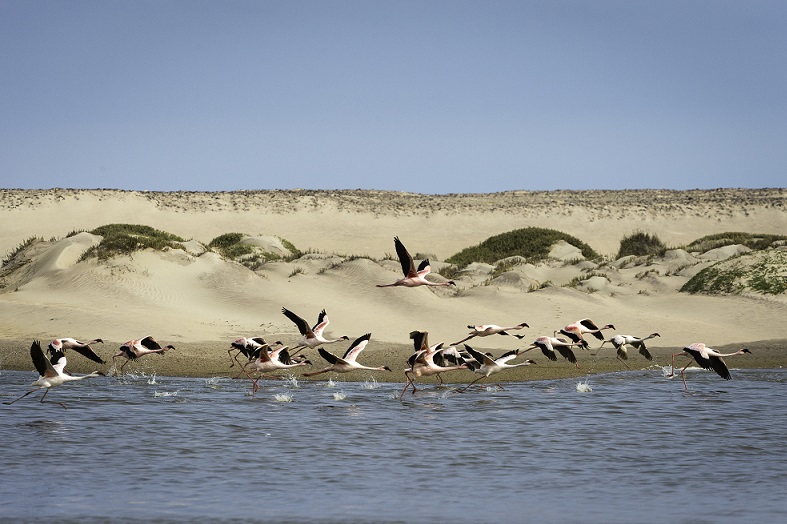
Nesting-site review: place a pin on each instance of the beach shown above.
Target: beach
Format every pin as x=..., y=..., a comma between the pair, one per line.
x=200, y=302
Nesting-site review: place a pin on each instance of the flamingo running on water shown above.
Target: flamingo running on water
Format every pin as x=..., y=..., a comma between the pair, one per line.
x=51, y=372
x=347, y=362
x=490, y=329
x=485, y=365
x=413, y=277
x=311, y=337
x=429, y=360
x=277, y=359
x=706, y=358
x=133, y=349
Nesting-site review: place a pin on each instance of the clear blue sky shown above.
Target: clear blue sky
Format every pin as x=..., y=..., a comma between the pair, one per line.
x=431, y=97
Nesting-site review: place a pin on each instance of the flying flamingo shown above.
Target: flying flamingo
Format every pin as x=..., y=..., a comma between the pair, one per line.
x=248, y=347
x=621, y=341
x=277, y=359
x=83, y=348
x=51, y=372
x=311, y=337
x=706, y=358
x=491, y=329
x=486, y=365
x=413, y=277
x=575, y=330
x=550, y=345
x=133, y=349
x=429, y=360
x=348, y=362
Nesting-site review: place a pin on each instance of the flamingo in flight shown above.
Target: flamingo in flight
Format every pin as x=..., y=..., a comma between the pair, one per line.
x=133, y=349
x=348, y=361
x=248, y=347
x=550, y=345
x=485, y=330
x=576, y=330
x=83, y=348
x=51, y=372
x=311, y=337
x=429, y=360
x=706, y=358
x=485, y=365
x=276, y=360
x=413, y=277
x=621, y=341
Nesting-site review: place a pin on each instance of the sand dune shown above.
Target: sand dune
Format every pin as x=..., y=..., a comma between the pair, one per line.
x=200, y=302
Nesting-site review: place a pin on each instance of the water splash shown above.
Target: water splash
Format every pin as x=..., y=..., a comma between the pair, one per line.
x=292, y=381
x=165, y=394
x=152, y=379
x=373, y=384
x=212, y=383
x=584, y=387
x=330, y=383
x=282, y=397
x=340, y=395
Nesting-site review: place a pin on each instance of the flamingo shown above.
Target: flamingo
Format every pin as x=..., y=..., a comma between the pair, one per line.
x=51, y=372
x=429, y=360
x=706, y=358
x=133, y=349
x=348, y=362
x=575, y=330
x=277, y=359
x=485, y=365
x=311, y=337
x=621, y=341
x=249, y=347
x=485, y=330
x=413, y=277
x=550, y=345
x=83, y=348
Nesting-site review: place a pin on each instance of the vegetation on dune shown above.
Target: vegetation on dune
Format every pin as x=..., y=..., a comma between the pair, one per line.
x=18, y=249
x=641, y=244
x=124, y=239
x=750, y=240
x=533, y=243
x=231, y=246
x=764, y=272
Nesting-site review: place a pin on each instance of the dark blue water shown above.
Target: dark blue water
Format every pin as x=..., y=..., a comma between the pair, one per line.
x=635, y=448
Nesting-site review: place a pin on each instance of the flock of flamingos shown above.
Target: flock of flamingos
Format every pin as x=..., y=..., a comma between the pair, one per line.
x=425, y=361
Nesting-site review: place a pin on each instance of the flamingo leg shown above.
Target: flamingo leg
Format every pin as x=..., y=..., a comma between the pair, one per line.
x=23, y=396
x=623, y=362
x=683, y=375
x=462, y=390
x=51, y=401
x=408, y=381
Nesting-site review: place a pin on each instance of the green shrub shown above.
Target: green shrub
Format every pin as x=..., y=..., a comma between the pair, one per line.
x=641, y=244
x=750, y=240
x=533, y=243
x=229, y=245
x=124, y=239
x=764, y=273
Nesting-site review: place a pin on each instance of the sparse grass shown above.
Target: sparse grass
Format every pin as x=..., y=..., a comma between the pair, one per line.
x=296, y=271
x=18, y=249
x=124, y=239
x=715, y=280
x=750, y=240
x=574, y=282
x=767, y=274
x=641, y=244
x=533, y=243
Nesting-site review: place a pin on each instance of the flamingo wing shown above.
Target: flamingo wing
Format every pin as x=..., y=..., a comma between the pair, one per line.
x=718, y=365
x=87, y=351
x=303, y=327
x=505, y=357
x=41, y=363
x=479, y=357
x=420, y=340
x=566, y=353
x=149, y=343
x=424, y=268
x=328, y=356
x=356, y=347
x=322, y=323
x=408, y=266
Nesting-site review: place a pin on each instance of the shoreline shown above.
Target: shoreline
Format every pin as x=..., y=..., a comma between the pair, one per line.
x=209, y=359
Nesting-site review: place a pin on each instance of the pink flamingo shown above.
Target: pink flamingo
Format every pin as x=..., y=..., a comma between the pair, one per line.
x=413, y=277
x=133, y=349
x=706, y=358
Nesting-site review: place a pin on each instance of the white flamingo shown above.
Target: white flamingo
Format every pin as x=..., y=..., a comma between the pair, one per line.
x=413, y=277
x=485, y=365
x=348, y=361
x=311, y=337
x=706, y=358
x=83, y=348
x=134, y=349
x=275, y=360
x=51, y=372
x=576, y=330
x=621, y=341
x=550, y=345
x=429, y=361
x=248, y=347
x=485, y=330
